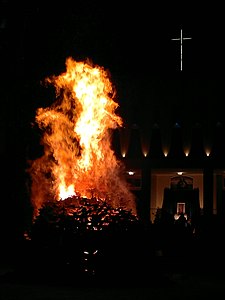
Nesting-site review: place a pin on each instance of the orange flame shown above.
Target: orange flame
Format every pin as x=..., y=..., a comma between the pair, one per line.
x=78, y=159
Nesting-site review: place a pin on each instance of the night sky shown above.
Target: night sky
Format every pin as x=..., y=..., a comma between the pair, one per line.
x=133, y=41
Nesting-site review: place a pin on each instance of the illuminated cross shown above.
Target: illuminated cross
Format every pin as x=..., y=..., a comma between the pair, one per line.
x=181, y=44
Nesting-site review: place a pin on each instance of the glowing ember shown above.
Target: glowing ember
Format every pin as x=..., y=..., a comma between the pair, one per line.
x=78, y=159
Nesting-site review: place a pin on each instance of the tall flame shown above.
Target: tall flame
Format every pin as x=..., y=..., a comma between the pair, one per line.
x=78, y=159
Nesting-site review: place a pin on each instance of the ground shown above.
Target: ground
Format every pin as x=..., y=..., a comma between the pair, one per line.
x=169, y=268
x=193, y=287
x=169, y=282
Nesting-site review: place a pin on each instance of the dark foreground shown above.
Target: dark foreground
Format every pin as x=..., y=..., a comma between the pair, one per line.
x=193, y=288
x=160, y=278
x=161, y=264
x=196, y=285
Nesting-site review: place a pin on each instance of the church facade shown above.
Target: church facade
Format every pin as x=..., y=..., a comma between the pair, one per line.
x=175, y=178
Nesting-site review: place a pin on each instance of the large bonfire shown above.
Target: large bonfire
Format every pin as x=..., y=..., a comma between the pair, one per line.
x=78, y=162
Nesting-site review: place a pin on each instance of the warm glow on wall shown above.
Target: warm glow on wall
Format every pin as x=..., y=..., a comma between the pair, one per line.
x=207, y=152
x=165, y=153
x=145, y=154
x=145, y=149
x=186, y=150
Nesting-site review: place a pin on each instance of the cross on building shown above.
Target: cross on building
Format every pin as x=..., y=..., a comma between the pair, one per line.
x=181, y=45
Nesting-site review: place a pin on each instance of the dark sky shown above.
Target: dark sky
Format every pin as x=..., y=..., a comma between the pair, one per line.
x=131, y=40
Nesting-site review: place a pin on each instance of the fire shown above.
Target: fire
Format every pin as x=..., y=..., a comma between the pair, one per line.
x=77, y=128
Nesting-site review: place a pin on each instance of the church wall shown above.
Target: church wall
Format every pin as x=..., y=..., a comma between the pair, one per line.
x=159, y=182
x=211, y=185
x=217, y=192
x=198, y=183
x=153, y=204
x=219, y=187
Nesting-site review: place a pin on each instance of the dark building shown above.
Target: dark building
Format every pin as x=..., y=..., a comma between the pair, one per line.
x=157, y=175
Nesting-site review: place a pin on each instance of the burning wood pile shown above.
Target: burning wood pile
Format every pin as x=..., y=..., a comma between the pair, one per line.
x=62, y=222
x=87, y=238
x=81, y=200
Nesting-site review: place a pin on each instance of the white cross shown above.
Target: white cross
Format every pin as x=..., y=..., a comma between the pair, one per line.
x=181, y=43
